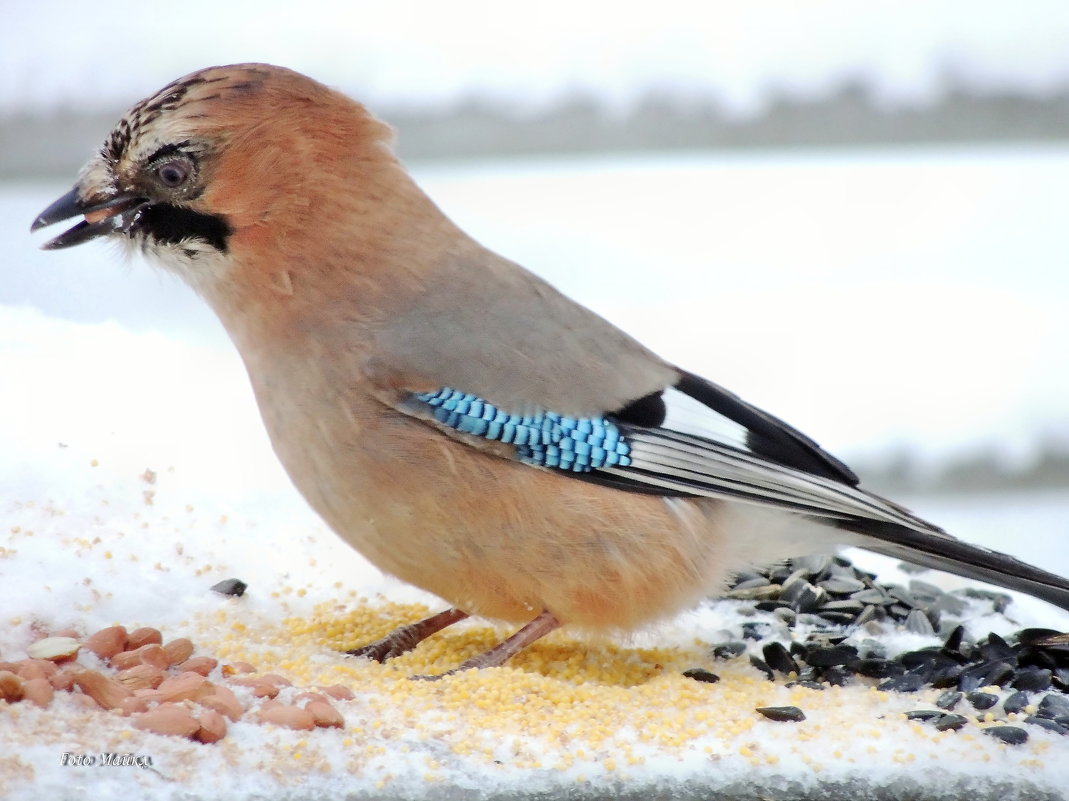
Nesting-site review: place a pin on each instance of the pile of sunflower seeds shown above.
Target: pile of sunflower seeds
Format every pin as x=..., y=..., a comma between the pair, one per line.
x=832, y=612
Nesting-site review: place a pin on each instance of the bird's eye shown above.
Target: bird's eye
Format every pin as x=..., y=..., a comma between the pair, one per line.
x=174, y=173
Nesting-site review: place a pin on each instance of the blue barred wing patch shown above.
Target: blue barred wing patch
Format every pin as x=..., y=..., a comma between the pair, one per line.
x=578, y=444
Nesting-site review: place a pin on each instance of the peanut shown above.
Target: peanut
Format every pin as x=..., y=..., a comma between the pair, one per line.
x=325, y=715
x=108, y=642
x=38, y=691
x=199, y=664
x=54, y=649
x=11, y=687
x=154, y=655
x=234, y=668
x=291, y=717
x=260, y=688
x=178, y=650
x=339, y=692
x=185, y=686
x=143, y=636
x=224, y=701
x=139, y=677
x=212, y=727
x=168, y=719
x=106, y=692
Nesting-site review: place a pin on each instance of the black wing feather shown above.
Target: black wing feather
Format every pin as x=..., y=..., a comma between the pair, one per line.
x=768, y=436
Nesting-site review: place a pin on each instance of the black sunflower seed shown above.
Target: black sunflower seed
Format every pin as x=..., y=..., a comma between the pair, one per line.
x=1053, y=706
x=945, y=674
x=922, y=656
x=1008, y=734
x=829, y=656
x=868, y=613
x=907, y=682
x=951, y=722
x=1033, y=679
x=994, y=649
x=924, y=714
x=953, y=642
x=982, y=700
x=1049, y=725
x=752, y=583
x=1015, y=702
x=948, y=700
x=701, y=674
x=848, y=605
x=876, y=668
x=232, y=586
x=999, y=601
x=771, y=606
x=922, y=589
x=785, y=714
x=841, y=585
x=755, y=630
x=838, y=618
x=728, y=650
x=799, y=576
x=872, y=596
x=918, y=623
x=836, y=675
x=813, y=563
x=903, y=595
x=761, y=665
x=984, y=674
x=779, y=658
x=950, y=604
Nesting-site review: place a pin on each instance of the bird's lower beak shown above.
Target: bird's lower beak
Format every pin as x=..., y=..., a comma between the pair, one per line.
x=101, y=218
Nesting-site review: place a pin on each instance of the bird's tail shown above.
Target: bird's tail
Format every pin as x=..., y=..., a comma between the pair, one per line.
x=954, y=556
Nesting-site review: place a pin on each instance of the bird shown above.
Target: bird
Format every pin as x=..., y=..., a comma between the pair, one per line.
x=456, y=419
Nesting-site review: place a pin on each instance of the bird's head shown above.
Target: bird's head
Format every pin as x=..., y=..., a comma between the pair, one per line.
x=226, y=168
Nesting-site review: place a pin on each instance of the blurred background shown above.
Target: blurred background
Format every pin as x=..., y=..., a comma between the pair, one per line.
x=851, y=214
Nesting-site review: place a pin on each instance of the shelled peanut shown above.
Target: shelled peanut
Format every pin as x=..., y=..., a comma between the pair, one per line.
x=162, y=686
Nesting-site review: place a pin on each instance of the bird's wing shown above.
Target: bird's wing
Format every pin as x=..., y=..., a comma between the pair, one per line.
x=489, y=352
x=689, y=440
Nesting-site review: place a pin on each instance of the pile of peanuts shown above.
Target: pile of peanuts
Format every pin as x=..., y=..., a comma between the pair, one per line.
x=163, y=688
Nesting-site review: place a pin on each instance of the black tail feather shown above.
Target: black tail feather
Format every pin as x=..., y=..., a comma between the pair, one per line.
x=960, y=558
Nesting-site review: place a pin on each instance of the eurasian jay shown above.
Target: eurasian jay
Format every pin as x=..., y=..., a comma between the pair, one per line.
x=455, y=418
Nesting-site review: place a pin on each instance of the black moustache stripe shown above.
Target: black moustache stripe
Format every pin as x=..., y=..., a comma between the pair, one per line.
x=169, y=225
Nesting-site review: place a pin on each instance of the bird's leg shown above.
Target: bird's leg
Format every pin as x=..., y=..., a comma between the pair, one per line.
x=403, y=639
x=500, y=653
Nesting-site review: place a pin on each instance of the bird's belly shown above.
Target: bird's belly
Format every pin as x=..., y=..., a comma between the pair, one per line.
x=502, y=539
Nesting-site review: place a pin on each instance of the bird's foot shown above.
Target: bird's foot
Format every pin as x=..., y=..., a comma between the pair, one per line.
x=500, y=653
x=404, y=639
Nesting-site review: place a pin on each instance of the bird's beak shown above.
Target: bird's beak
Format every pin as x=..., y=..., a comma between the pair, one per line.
x=102, y=217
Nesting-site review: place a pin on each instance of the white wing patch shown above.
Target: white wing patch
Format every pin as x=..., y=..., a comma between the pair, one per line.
x=690, y=416
x=698, y=451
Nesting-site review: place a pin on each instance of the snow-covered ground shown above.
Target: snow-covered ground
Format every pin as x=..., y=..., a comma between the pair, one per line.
x=135, y=475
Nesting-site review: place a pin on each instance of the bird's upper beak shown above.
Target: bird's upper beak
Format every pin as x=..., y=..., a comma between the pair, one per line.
x=101, y=217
